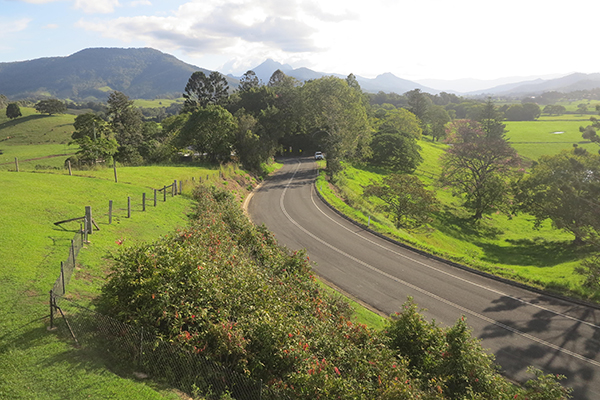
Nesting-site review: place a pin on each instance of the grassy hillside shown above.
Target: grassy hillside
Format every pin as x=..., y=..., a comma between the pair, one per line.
x=505, y=246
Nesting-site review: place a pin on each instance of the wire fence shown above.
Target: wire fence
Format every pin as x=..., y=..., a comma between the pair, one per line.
x=136, y=350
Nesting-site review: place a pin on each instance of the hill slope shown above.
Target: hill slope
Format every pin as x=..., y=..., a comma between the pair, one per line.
x=91, y=73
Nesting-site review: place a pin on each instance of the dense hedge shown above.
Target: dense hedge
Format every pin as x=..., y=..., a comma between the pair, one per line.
x=224, y=288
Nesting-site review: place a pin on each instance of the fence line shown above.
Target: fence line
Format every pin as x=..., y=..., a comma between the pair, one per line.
x=136, y=348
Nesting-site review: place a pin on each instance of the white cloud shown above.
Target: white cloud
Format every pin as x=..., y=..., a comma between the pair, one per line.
x=140, y=3
x=96, y=6
x=11, y=26
x=51, y=26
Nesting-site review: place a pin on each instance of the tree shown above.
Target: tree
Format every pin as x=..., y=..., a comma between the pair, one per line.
x=51, y=106
x=491, y=119
x=405, y=199
x=438, y=118
x=523, y=112
x=582, y=108
x=249, y=81
x=590, y=132
x=335, y=113
x=202, y=90
x=564, y=188
x=554, y=109
x=394, y=144
x=477, y=166
x=209, y=130
x=94, y=138
x=126, y=123
x=13, y=111
x=418, y=103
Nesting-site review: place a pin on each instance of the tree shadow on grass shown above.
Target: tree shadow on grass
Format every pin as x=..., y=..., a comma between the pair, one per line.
x=464, y=227
x=537, y=252
x=20, y=120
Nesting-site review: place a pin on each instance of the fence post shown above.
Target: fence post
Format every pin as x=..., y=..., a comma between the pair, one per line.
x=110, y=207
x=51, y=311
x=85, y=231
x=88, y=220
x=128, y=206
x=154, y=197
x=180, y=187
x=17, y=164
x=62, y=276
x=174, y=191
x=115, y=168
x=144, y=201
x=69, y=165
x=164, y=193
x=73, y=251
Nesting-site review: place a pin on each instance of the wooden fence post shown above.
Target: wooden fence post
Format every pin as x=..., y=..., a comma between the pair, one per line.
x=17, y=164
x=115, y=168
x=128, y=206
x=88, y=220
x=110, y=207
x=69, y=166
x=180, y=187
x=144, y=201
x=164, y=193
x=174, y=191
x=154, y=197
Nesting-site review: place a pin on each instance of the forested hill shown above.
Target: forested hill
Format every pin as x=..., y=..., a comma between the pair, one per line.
x=92, y=73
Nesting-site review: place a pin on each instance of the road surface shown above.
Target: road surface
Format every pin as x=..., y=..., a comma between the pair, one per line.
x=520, y=327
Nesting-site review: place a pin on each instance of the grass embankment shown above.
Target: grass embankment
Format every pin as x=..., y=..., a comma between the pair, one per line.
x=502, y=245
x=35, y=363
x=38, y=141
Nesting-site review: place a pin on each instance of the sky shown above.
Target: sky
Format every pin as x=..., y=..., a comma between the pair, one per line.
x=413, y=39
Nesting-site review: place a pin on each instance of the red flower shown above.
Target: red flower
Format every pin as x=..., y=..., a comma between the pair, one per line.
x=337, y=371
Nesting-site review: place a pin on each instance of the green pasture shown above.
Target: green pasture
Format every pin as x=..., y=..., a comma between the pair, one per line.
x=507, y=246
x=34, y=128
x=32, y=157
x=547, y=136
x=35, y=363
x=156, y=103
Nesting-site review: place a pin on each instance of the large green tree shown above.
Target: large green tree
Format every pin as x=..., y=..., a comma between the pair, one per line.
x=564, y=188
x=95, y=139
x=477, y=166
x=209, y=130
x=405, y=199
x=437, y=117
x=51, y=106
x=590, y=132
x=13, y=111
x=126, y=123
x=394, y=144
x=202, y=90
x=335, y=114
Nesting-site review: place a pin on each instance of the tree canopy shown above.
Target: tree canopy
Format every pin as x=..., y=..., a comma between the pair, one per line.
x=13, y=111
x=477, y=166
x=202, y=90
x=564, y=188
x=51, y=106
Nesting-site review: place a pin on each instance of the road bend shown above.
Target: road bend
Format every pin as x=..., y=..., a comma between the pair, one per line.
x=520, y=327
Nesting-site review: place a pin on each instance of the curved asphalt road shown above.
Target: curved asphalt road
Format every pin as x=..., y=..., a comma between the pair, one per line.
x=520, y=327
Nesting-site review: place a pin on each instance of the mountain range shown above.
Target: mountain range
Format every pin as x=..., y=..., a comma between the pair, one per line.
x=145, y=73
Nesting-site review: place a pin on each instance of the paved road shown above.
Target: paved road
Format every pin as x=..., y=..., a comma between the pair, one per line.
x=520, y=327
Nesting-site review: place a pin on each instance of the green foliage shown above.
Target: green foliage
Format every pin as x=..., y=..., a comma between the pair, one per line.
x=405, y=199
x=210, y=130
x=478, y=164
x=202, y=90
x=590, y=270
x=126, y=123
x=13, y=111
x=565, y=189
x=51, y=106
x=523, y=112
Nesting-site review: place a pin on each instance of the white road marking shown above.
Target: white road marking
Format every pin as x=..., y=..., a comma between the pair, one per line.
x=429, y=294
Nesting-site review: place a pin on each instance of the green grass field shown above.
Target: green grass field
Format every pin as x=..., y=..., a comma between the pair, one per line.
x=548, y=135
x=505, y=246
x=157, y=103
x=35, y=363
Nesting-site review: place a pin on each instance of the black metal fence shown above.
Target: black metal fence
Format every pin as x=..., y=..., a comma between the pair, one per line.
x=137, y=351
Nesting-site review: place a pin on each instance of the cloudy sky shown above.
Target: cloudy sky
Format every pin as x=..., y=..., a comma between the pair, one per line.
x=413, y=39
